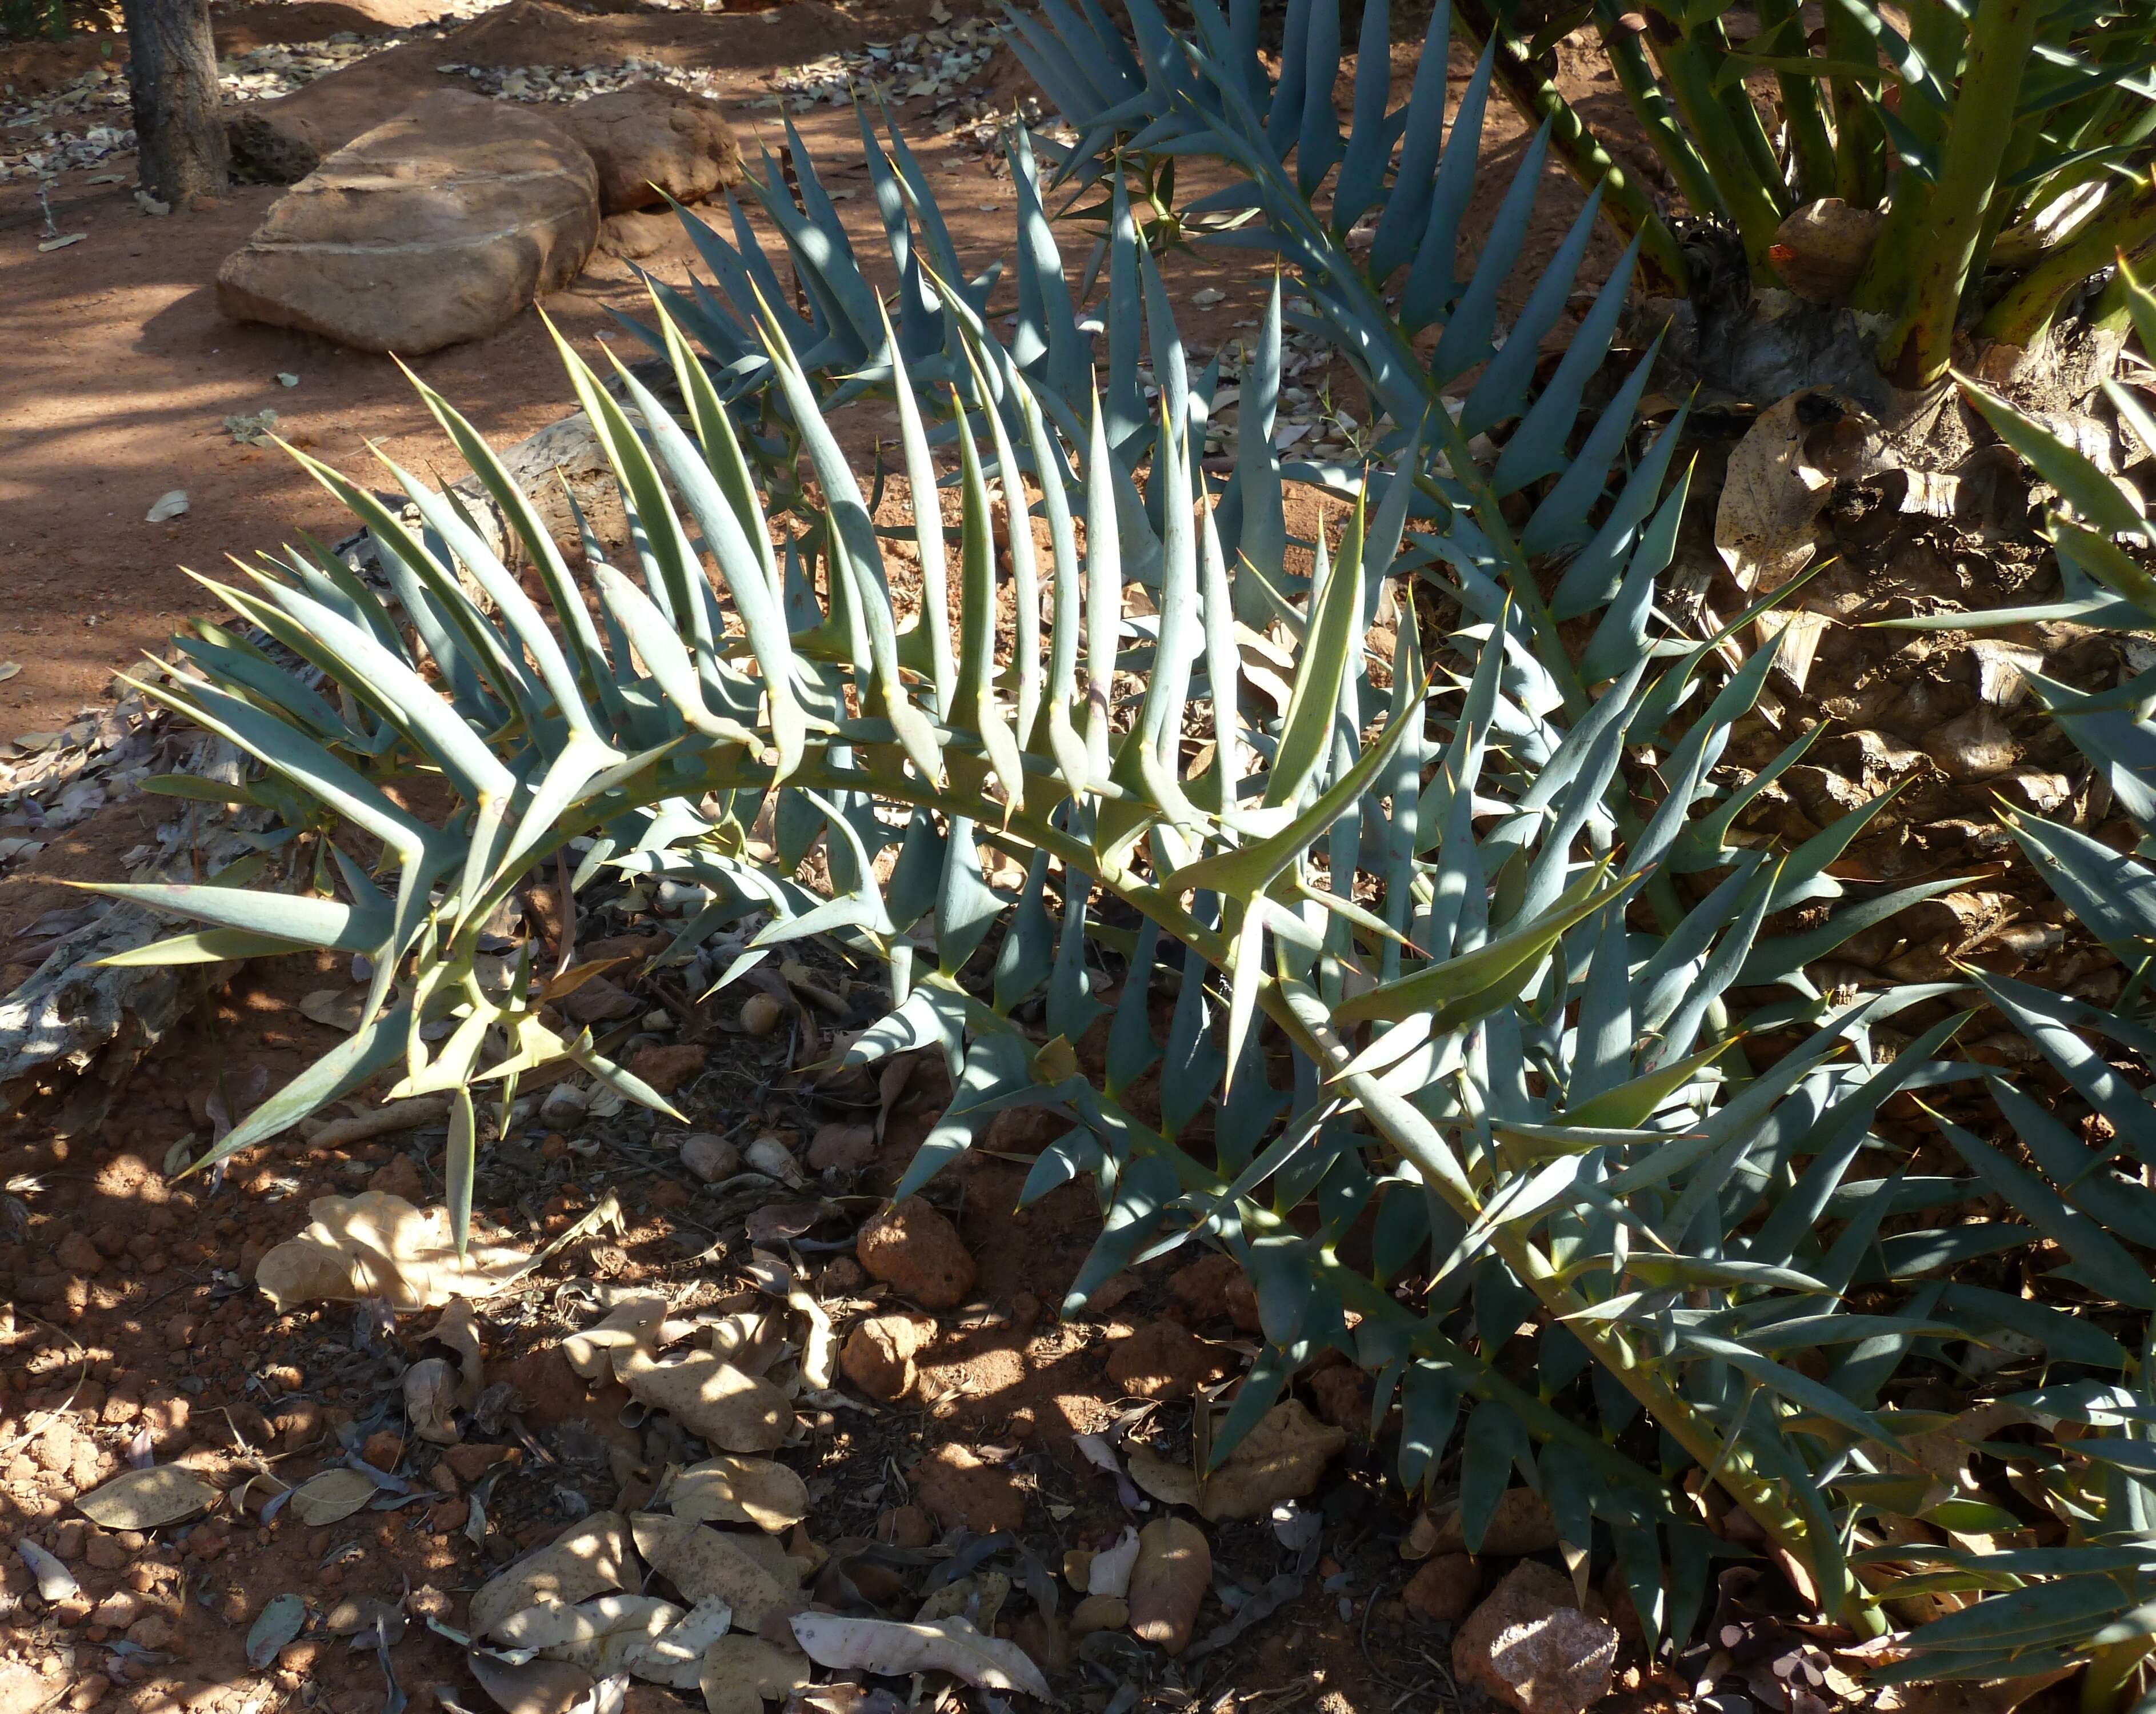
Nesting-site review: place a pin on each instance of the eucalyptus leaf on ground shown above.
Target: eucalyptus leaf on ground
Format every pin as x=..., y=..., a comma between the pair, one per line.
x=150, y=1499
x=951, y=1645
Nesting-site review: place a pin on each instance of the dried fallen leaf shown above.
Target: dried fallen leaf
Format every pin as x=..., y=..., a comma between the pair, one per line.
x=631, y=1325
x=711, y=1397
x=706, y=1565
x=169, y=505
x=459, y=1330
x=1281, y=1458
x=642, y=1635
x=1168, y=1584
x=430, y=1400
x=741, y=1673
x=282, y=1619
x=148, y=1499
x=1109, y=1573
x=728, y=1490
x=331, y=1497
x=535, y=1688
x=950, y=1645
x=379, y=1245
x=1770, y=497
x=589, y=1558
x=55, y=1582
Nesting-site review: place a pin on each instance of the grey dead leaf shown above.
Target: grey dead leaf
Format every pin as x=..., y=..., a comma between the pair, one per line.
x=62, y=243
x=430, y=1400
x=589, y=1558
x=55, y=1582
x=706, y=1565
x=285, y=378
x=281, y=1619
x=1206, y=297
x=950, y=1645
x=331, y=1496
x=711, y=1397
x=170, y=505
x=741, y=1673
x=8, y=668
x=1281, y=1458
x=1770, y=497
x=729, y=1490
x=336, y=1008
x=148, y=1499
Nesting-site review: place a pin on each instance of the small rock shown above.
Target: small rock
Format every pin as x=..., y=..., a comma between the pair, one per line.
x=842, y=1276
x=1341, y=1394
x=847, y=1148
x=1098, y=1613
x=668, y=1066
x=710, y=1157
x=1522, y=1524
x=383, y=1449
x=878, y=1354
x=89, y=1691
x=448, y=1516
x=79, y=1255
x=761, y=1015
x=1820, y=249
x=400, y=1176
x=957, y=1487
x=117, y=1610
x=104, y=1553
x=1163, y=1360
x=1443, y=1590
x=913, y=1248
x=153, y=1631
x=1168, y=1583
x=470, y=1461
x=1530, y=1649
x=1201, y=1287
x=22, y=1691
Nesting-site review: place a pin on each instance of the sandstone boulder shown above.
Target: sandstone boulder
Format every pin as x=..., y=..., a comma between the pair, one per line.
x=285, y=139
x=651, y=142
x=434, y=227
x=1532, y=1649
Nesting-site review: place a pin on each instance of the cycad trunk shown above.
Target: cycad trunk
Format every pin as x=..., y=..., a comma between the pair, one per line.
x=171, y=76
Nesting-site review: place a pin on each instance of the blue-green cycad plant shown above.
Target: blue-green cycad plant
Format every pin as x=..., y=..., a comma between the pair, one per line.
x=2082, y=1449
x=1470, y=963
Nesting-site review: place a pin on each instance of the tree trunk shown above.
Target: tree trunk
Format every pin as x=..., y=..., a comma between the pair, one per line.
x=172, y=75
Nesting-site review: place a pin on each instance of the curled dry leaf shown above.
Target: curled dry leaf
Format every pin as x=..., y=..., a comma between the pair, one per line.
x=148, y=1499
x=430, y=1400
x=1109, y=1573
x=727, y=1490
x=379, y=1245
x=706, y=1565
x=750, y=1341
x=589, y=1558
x=820, y=1345
x=459, y=1330
x=1281, y=1458
x=331, y=1496
x=950, y=1645
x=675, y=1656
x=630, y=1326
x=711, y=1397
x=739, y=1674
x=642, y=1635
